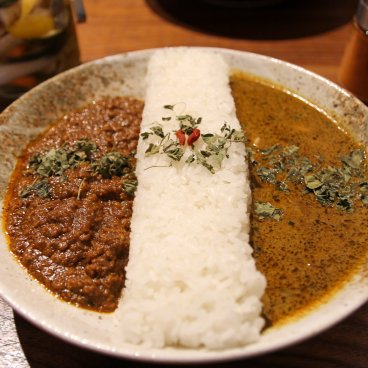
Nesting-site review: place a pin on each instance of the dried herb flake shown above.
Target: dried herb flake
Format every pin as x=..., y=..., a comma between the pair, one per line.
x=40, y=187
x=214, y=147
x=265, y=210
x=113, y=163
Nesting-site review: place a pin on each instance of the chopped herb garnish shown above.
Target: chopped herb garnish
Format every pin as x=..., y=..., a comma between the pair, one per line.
x=173, y=150
x=83, y=149
x=145, y=135
x=113, y=163
x=332, y=186
x=190, y=159
x=354, y=159
x=213, y=147
x=270, y=150
x=267, y=174
x=282, y=186
x=152, y=149
x=312, y=182
x=56, y=161
x=158, y=131
x=188, y=123
x=39, y=187
x=130, y=186
x=265, y=210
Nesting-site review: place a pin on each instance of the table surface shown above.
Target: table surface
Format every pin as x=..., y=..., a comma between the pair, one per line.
x=312, y=34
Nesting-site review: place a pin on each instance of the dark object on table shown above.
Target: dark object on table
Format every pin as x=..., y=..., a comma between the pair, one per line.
x=354, y=67
x=266, y=20
x=243, y=3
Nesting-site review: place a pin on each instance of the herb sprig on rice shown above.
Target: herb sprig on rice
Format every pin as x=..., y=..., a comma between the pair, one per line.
x=208, y=150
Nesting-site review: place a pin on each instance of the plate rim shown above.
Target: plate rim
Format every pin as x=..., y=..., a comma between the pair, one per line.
x=161, y=355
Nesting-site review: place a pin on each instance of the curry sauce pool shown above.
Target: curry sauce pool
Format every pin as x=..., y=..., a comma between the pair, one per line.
x=313, y=248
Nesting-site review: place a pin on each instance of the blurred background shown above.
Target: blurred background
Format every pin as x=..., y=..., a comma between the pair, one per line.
x=310, y=33
x=38, y=40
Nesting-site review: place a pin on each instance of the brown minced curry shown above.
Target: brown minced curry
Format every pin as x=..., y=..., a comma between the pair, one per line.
x=68, y=211
x=69, y=224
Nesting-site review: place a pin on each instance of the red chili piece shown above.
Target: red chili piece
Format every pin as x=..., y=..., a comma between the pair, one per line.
x=181, y=136
x=196, y=133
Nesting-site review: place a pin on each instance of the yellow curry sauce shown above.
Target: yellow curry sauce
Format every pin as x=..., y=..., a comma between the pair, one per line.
x=312, y=249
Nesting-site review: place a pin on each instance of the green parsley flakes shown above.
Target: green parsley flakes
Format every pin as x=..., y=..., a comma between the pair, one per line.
x=265, y=210
x=209, y=151
x=56, y=161
x=40, y=187
x=338, y=186
x=111, y=164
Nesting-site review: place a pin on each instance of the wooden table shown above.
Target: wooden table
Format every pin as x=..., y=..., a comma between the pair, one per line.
x=312, y=34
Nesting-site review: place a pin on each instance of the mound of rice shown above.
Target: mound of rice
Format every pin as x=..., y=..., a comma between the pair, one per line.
x=191, y=278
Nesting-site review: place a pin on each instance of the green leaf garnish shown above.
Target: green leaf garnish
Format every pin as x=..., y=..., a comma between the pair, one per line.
x=354, y=159
x=265, y=210
x=173, y=150
x=56, y=161
x=41, y=188
x=130, y=186
x=214, y=148
x=145, y=135
x=152, y=149
x=113, y=163
x=332, y=186
x=158, y=131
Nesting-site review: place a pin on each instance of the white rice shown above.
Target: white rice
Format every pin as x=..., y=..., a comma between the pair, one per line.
x=191, y=278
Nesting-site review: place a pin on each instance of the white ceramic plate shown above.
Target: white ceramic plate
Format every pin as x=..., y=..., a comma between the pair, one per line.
x=124, y=75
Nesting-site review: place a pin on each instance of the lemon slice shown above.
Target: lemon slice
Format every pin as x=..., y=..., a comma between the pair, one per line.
x=32, y=26
x=26, y=7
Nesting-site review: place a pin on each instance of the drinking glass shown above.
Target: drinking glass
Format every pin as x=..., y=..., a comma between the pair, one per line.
x=37, y=41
